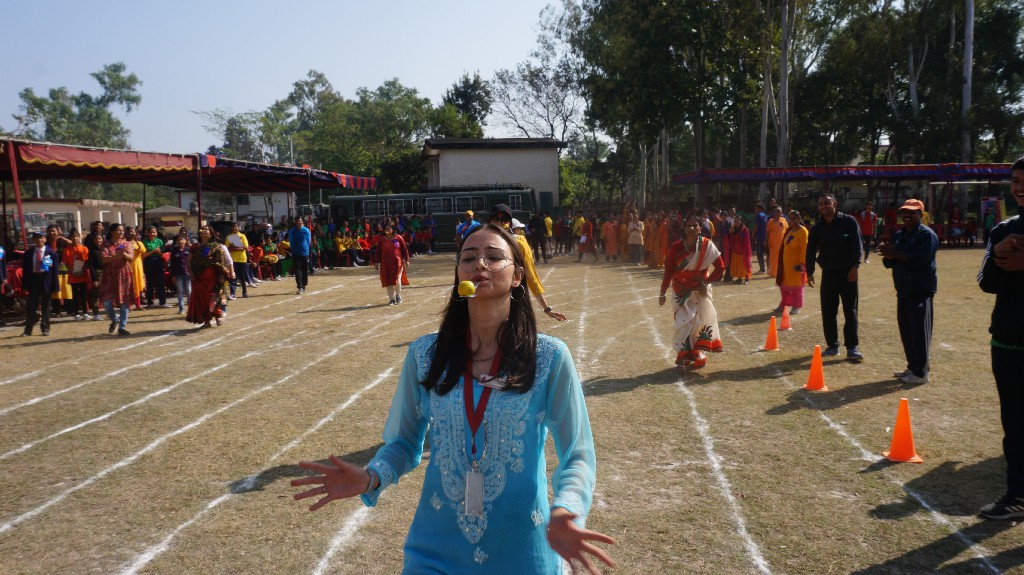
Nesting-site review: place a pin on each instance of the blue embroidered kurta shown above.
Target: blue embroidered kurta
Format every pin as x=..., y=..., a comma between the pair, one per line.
x=510, y=537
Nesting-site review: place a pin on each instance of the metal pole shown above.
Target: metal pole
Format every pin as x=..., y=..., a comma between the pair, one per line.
x=199, y=193
x=4, y=241
x=143, y=205
x=11, y=152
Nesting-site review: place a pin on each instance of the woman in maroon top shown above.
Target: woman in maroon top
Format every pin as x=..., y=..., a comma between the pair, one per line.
x=117, y=283
x=691, y=265
x=392, y=259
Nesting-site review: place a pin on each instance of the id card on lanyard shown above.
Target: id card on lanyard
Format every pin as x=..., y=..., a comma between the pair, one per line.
x=475, y=418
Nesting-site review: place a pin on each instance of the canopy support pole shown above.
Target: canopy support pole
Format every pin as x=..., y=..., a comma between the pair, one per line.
x=144, y=205
x=3, y=243
x=11, y=152
x=199, y=193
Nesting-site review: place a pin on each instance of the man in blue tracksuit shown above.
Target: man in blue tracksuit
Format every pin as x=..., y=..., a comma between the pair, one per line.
x=300, y=239
x=911, y=256
x=1002, y=274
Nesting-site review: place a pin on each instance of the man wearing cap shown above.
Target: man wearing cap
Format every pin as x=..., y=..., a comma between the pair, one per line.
x=837, y=237
x=911, y=256
x=501, y=215
x=462, y=230
x=1002, y=274
x=39, y=266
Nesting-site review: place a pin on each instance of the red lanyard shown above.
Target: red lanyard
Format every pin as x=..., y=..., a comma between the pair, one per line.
x=476, y=416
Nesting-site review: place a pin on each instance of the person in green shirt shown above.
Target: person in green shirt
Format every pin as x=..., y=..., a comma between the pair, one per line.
x=155, y=268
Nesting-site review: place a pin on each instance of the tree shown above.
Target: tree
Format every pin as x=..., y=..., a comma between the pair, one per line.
x=81, y=119
x=471, y=98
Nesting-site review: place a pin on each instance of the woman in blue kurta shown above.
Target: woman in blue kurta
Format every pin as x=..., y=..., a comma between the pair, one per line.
x=484, y=505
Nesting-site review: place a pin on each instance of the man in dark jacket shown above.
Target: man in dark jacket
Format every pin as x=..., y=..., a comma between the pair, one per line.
x=39, y=277
x=911, y=256
x=1002, y=274
x=837, y=236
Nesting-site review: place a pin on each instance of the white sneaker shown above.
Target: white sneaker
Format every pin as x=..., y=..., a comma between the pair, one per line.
x=914, y=380
x=97, y=317
x=902, y=374
x=87, y=317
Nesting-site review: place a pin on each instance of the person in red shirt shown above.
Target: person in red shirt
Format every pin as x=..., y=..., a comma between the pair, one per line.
x=75, y=258
x=867, y=220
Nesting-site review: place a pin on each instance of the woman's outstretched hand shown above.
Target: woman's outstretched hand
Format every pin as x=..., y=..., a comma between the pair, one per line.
x=339, y=481
x=573, y=543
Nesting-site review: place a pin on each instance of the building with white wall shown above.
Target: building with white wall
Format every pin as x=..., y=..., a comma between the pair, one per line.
x=494, y=162
x=275, y=206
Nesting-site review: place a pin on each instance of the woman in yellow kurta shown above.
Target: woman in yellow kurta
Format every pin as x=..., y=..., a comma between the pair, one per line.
x=138, y=274
x=792, y=264
x=659, y=244
x=775, y=233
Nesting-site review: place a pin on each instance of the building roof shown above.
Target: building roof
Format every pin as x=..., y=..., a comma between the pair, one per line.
x=431, y=146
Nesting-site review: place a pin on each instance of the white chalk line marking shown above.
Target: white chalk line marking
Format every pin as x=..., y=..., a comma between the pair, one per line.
x=980, y=552
x=146, y=398
x=148, y=341
x=164, y=545
x=342, y=538
x=148, y=362
x=581, y=347
x=722, y=481
x=7, y=526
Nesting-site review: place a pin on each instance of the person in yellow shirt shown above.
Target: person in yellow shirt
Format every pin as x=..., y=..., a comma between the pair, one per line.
x=238, y=245
x=138, y=273
x=502, y=216
x=549, y=235
x=791, y=269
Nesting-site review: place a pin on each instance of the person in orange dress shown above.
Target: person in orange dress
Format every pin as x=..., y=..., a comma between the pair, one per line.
x=611, y=240
x=775, y=233
x=75, y=259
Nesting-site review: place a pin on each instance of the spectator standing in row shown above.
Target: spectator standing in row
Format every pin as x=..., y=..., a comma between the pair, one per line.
x=911, y=256
x=867, y=220
x=155, y=267
x=299, y=240
x=39, y=278
x=75, y=259
x=462, y=230
x=1002, y=274
x=759, y=236
x=777, y=226
x=181, y=254
x=835, y=244
x=117, y=284
x=538, y=237
x=636, y=240
x=238, y=246
x=736, y=252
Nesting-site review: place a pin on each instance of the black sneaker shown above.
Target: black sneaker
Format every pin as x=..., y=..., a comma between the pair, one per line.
x=831, y=350
x=113, y=326
x=123, y=331
x=1008, y=507
x=853, y=354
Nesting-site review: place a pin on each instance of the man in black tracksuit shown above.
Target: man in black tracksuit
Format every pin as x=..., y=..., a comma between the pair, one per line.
x=1002, y=273
x=837, y=237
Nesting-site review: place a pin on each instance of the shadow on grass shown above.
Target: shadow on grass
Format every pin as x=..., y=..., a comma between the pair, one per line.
x=268, y=476
x=347, y=308
x=598, y=386
x=754, y=318
x=947, y=489
x=838, y=397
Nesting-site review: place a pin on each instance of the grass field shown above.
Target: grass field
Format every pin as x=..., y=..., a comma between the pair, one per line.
x=170, y=451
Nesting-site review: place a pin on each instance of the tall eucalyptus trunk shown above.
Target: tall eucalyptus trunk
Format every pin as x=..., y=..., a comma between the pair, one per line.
x=965, y=106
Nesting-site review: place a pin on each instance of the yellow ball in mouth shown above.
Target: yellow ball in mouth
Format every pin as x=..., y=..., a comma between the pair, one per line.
x=467, y=289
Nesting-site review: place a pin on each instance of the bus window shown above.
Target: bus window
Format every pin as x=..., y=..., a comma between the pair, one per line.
x=480, y=205
x=373, y=208
x=438, y=205
x=463, y=203
x=515, y=202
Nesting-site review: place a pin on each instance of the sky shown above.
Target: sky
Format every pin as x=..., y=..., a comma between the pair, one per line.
x=245, y=55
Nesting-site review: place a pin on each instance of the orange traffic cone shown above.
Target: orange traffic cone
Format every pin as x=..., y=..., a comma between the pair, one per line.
x=902, y=448
x=785, y=326
x=772, y=342
x=816, y=378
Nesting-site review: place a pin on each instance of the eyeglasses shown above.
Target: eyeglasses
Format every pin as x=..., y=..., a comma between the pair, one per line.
x=493, y=261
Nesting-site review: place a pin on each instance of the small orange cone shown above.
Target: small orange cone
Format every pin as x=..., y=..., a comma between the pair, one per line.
x=772, y=342
x=902, y=448
x=785, y=326
x=816, y=378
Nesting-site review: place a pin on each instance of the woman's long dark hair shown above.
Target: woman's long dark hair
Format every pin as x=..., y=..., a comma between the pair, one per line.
x=517, y=336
